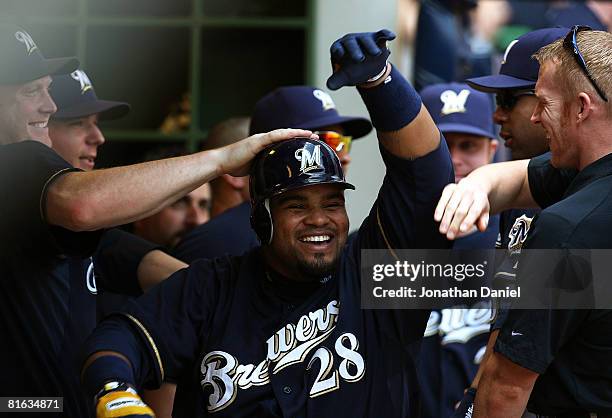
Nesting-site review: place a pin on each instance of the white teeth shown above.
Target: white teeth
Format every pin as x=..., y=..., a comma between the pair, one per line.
x=39, y=125
x=317, y=238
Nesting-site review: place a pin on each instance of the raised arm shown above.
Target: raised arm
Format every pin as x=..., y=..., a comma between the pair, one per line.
x=418, y=164
x=86, y=201
x=403, y=124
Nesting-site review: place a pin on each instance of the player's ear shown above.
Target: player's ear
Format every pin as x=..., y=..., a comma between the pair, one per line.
x=584, y=107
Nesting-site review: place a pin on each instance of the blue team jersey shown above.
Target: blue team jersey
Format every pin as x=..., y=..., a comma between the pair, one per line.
x=46, y=299
x=243, y=342
x=455, y=340
x=229, y=233
x=48, y=284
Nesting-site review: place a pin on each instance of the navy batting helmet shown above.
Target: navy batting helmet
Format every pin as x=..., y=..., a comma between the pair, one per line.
x=289, y=165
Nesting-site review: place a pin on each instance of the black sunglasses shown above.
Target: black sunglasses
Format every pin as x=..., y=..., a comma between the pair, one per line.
x=507, y=99
x=571, y=42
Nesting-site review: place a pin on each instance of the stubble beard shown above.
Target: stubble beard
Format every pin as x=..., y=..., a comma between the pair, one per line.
x=318, y=267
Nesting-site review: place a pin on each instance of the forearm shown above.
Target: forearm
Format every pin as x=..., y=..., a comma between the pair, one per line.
x=105, y=198
x=114, y=352
x=155, y=267
x=418, y=138
x=105, y=366
x=487, y=355
x=503, y=390
x=128, y=265
x=404, y=126
x=497, y=401
x=506, y=185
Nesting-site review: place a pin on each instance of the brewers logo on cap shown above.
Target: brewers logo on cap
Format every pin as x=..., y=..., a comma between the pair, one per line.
x=325, y=99
x=453, y=102
x=508, y=48
x=26, y=39
x=83, y=80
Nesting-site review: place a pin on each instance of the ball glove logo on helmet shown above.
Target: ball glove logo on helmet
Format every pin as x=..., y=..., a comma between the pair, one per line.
x=289, y=165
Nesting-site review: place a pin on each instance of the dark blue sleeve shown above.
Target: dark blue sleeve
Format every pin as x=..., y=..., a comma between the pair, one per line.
x=229, y=233
x=27, y=169
x=160, y=332
x=117, y=259
x=547, y=183
x=402, y=216
x=480, y=240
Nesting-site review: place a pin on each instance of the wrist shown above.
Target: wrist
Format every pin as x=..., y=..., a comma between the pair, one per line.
x=105, y=369
x=378, y=78
x=120, y=399
x=393, y=104
x=479, y=180
x=215, y=157
x=114, y=386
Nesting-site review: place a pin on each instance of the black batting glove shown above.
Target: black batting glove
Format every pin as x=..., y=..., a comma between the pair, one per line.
x=359, y=58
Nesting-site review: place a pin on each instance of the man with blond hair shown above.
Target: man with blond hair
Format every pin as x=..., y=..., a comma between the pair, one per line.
x=557, y=362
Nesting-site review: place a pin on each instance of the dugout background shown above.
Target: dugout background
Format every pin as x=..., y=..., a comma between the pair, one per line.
x=224, y=53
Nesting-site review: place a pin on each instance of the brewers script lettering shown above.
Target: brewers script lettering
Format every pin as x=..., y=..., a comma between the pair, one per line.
x=289, y=345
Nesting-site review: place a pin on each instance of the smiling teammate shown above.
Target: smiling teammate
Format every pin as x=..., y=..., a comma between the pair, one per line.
x=555, y=362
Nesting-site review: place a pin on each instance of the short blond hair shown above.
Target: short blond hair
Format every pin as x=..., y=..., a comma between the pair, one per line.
x=596, y=49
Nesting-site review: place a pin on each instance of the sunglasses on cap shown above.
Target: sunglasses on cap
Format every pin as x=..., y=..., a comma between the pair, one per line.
x=340, y=143
x=571, y=42
x=507, y=99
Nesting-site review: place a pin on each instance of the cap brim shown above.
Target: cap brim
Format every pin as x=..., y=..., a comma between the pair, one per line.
x=492, y=83
x=53, y=66
x=106, y=109
x=353, y=126
x=464, y=129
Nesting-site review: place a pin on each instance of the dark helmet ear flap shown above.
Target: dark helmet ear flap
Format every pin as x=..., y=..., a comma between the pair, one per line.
x=261, y=221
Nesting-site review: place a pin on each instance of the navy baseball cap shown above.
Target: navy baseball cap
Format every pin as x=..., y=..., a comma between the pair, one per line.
x=303, y=107
x=22, y=60
x=75, y=97
x=519, y=70
x=456, y=107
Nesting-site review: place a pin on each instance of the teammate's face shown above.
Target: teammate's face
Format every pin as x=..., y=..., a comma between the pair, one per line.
x=310, y=229
x=468, y=152
x=525, y=139
x=77, y=140
x=169, y=225
x=25, y=110
x=552, y=113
